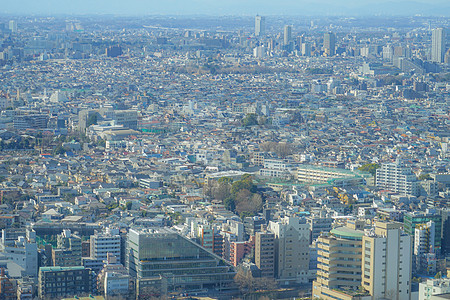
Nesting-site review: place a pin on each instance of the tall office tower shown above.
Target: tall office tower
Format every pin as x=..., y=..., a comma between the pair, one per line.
x=155, y=252
x=265, y=253
x=299, y=42
x=386, y=262
x=306, y=49
x=291, y=250
x=287, y=35
x=339, y=261
x=388, y=52
x=260, y=26
x=329, y=43
x=438, y=45
x=13, y=26
x=397, y=178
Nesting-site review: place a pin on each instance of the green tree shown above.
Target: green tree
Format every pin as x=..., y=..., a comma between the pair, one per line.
x=425, y=177
x=370, y=168
x=229, y=204
x=92, y=120
x=249, y=120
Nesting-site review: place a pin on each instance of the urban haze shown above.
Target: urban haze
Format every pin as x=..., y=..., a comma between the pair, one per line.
x=225, y=150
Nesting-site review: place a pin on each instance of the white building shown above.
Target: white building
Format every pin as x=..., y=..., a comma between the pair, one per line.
x=433, y=287
x=386, y=262
x=22, y=251
x=104, y=243
x=438, y=45
x=260, y=26
x=397, y=178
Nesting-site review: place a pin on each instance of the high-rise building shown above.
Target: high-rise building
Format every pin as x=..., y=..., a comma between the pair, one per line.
x=411, y=220
x=339, y=261
x=106, y=242
x=291, y=249
x=260, y=26
x=397, y=178
x=424, y=255
x=386, y=262
x=160, y=252
x=438, y=39
x=329, y=43
x=265, y=253
x=13, y=26
x=287, y=35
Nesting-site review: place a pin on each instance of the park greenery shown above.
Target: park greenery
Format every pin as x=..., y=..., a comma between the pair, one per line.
x=240, y=196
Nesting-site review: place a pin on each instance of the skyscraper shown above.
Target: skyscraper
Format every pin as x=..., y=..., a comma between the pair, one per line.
x=260, y=26
x=438, y=45
x=329, y=43
x=287, y=34
x=13, y=26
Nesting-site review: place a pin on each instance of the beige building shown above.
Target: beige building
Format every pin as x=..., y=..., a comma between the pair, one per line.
x=333, y=176
x=339, y=262
x=354, y=263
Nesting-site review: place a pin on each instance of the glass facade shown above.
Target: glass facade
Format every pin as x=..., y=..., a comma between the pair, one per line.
x=182, y=262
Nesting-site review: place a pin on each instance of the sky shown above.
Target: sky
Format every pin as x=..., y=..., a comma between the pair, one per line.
x=227, y=7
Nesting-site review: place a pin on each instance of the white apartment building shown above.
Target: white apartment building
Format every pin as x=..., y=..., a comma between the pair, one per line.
x=104, y=243
x=397, y=178
x=387, y=262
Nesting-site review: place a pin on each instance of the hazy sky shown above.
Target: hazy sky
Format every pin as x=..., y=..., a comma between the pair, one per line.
x=226, y=7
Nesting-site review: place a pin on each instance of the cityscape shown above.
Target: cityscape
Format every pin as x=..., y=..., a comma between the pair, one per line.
x=226, y=156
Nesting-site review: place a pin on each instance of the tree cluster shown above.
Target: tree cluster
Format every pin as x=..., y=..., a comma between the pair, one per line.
x=370, y=168
x=250, y=120
x=239, y=196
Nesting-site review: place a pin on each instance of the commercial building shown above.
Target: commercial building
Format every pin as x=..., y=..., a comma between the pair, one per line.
x=412, y=219
x=260, y=26
x=57, y=282
x=185, y=265
x=287, y=38
x=329, y=43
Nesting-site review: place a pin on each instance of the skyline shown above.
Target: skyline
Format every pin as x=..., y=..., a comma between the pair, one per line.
x=229, y=7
